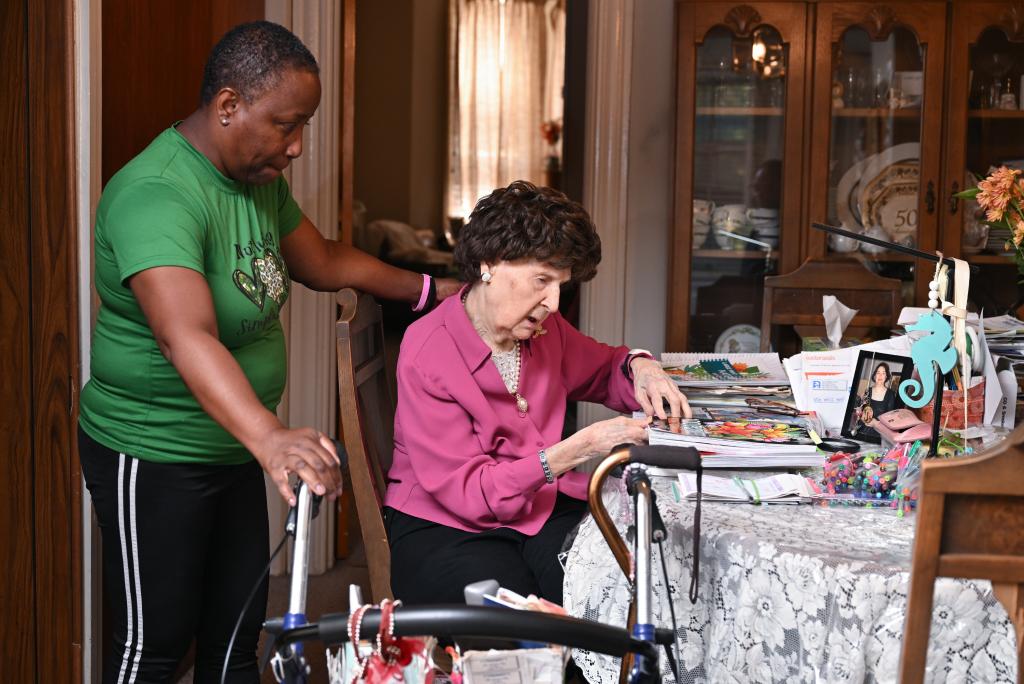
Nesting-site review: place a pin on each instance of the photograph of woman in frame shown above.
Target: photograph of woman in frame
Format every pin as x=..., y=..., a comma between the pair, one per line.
x=873, y=391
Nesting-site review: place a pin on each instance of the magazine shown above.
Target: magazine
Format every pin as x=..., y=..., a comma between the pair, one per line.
x=740, y=434
x=720, y=370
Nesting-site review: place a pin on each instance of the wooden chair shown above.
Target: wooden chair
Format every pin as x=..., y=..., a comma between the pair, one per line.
x=367, y=409
x=970, y=524
x=794, y=299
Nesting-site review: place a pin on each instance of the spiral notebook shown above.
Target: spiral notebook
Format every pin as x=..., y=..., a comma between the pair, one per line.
x=724, y=370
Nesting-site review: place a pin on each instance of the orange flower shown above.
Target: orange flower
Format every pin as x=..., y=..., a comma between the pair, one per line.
x=996, y=192
x=740, y=367
x=1018, y=229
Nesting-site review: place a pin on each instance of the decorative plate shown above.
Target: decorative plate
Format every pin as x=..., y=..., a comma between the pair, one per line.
x=847, y=194
x=889, y=192
x=739, y=339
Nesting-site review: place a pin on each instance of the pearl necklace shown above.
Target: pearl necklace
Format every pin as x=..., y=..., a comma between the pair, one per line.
x=508, y=364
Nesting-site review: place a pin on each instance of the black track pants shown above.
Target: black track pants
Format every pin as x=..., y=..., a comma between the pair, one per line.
x=182, y=547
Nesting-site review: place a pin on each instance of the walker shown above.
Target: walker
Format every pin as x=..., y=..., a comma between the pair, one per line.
x=638, y=645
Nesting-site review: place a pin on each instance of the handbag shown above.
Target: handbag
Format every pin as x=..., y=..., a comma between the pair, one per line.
x=392, y=660
x=901, y=426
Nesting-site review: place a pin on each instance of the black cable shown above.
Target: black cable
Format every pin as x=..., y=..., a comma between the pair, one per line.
x=671, y=611
x=241, y=615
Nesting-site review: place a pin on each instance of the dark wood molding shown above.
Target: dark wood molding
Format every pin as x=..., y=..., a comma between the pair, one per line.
x=17, y=632
x=742, y=20
x=41, y=601
x=54, y=338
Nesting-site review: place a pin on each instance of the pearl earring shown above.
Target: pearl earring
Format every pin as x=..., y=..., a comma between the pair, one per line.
x=224, y=121
x=485, y=276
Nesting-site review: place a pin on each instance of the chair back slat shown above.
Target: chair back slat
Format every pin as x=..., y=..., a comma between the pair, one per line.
x=367, y=407
x=794, y=299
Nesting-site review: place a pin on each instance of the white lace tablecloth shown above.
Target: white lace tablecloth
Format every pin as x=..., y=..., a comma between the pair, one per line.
x=788, y=594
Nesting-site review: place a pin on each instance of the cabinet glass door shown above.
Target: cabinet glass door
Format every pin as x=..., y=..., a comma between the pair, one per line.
x=883, y=92
x=737, y=184
x=875, y=147
x=986, y=131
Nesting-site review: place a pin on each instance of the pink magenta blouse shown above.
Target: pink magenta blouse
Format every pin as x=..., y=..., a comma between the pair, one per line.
x=464, y=457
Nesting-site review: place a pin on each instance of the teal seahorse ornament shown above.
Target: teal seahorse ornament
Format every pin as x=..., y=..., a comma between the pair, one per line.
x=929, y=350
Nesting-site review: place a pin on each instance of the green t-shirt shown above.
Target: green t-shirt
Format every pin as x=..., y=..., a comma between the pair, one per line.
x=171, y=207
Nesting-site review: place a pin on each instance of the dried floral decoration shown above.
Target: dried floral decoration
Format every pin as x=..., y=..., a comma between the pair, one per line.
x=1001, y=195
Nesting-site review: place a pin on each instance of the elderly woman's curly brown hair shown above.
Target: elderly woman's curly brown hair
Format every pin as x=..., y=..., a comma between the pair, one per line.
x=523, y=221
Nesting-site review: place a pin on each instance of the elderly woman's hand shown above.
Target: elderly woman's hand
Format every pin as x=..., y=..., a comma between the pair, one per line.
x=652, y=387
x=597, y=439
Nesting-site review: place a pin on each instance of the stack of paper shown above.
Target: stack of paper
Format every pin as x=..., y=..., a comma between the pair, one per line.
x=742, y=443
x=722, y=370
x=1004, y=338
x=779, y=488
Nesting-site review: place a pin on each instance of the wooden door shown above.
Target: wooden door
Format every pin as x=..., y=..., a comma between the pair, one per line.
x=877, y=119
x=984, y=129
x=153, y=58
x=40, y=596
x=739, y=135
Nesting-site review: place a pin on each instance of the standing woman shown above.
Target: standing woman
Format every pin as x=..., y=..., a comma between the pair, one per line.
x=197, y=240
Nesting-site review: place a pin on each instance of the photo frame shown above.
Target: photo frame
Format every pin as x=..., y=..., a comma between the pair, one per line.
x=868, y=399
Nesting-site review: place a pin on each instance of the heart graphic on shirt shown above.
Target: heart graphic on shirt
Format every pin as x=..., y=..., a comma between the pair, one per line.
x=269, y=279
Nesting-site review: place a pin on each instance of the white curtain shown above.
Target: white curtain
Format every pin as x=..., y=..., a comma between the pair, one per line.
x=505, y=74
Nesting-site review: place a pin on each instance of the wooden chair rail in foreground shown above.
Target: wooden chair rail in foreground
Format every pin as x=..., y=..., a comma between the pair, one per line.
x=367, y=410
x=970, y=524
x=794, y=299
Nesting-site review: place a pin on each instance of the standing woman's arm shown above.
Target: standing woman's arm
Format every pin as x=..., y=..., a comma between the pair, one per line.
x=179, y=308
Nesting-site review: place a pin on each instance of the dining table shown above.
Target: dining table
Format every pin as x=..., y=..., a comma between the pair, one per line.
x=786, y=593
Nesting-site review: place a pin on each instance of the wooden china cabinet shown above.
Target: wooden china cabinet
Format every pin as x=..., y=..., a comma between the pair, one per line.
x=868, y=115
x=986, y=70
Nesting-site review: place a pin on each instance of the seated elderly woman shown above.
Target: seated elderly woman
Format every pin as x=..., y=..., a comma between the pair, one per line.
x=482, y=484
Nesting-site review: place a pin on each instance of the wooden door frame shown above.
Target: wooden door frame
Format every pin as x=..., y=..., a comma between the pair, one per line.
x=48, y=463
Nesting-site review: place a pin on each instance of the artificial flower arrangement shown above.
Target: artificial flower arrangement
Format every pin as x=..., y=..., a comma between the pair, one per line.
x=551, y=132
x=1001, y=195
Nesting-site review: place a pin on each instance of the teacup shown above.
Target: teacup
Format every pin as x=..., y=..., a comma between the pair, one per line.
x=729, y=214
x=843, y=243
x=702, y=210
x=878, y=233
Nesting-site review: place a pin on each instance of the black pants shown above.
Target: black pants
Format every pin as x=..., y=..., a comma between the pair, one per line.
x=432, y=563
x=182, y=547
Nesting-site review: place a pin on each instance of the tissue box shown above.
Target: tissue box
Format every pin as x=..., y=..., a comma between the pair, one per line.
x=953, y=407
x=818, y=343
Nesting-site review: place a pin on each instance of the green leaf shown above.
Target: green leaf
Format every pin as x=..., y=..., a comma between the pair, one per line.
x=970, y=193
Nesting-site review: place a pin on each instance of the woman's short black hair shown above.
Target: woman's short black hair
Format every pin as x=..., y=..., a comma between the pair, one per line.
x=523, y=221
x=250, y=59
x=884, y=365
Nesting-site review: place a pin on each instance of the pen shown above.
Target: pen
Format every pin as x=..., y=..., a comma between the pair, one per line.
x=739, y=483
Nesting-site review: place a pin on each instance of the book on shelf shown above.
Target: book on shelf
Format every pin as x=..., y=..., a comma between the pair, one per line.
x=778, y=488
x=690, y=369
